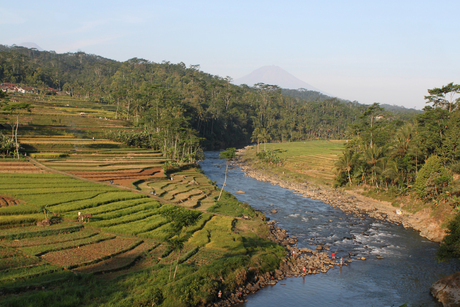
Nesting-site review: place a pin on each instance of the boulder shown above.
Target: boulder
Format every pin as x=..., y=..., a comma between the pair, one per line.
x=447, y=290
x=274, y=211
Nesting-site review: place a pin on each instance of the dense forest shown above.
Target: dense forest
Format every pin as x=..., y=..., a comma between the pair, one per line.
x=180, y=108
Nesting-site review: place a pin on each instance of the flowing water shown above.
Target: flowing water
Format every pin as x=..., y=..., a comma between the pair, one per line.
x=403, y=276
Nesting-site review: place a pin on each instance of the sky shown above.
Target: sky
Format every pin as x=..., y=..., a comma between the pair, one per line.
x=383, y=51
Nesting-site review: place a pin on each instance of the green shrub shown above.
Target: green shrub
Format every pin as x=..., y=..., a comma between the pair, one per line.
x=229, y=205
x=432, y=179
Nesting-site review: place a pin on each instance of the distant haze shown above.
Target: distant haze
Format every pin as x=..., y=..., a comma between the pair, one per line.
x=275, y=75
x=30, y=46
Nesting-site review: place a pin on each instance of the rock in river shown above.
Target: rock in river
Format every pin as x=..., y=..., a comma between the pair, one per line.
x=447, y=290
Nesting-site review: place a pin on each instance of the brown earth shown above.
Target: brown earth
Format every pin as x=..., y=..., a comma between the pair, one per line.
x=19, y=167
x=8, y=201
x=122, y=177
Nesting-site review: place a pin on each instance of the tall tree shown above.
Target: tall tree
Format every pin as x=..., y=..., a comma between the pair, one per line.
x=16, y=109
x=445, y=97
x=228, y=154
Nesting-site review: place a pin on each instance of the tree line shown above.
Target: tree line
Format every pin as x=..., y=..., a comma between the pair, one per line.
x=419, y=155
x=181, y=108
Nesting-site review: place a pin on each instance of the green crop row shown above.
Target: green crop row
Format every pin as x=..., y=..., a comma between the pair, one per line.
x=61, y=198
x=141, y=226
x=101, y=199
x=120, y=205
x=23, y=193
x=127, y=211
x=51, y=239
x=18, y=209
x=218, y=234
x=14, y=220
x=19, y=184
x=18, y=261
x=33, y=177
x=27, y=272
x=39, y=250
x=48, y=155
x=204, y=218
x=162, y=232
x=37, y=231
x=141, y=215
x=6, y=252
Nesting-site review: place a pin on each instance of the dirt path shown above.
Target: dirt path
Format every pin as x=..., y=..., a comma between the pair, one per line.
x=352, y=201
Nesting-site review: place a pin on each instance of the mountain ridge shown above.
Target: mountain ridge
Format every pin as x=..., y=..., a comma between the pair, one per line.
x=275, y=75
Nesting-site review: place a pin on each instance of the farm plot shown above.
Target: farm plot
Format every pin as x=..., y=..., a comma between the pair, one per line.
x=75, y=257
x=205, y=256
x=119, y=262
x=190, y=189
x=119, y=208
x=137, y=227
x=218, y=234
x=101, y=199
x=13, y=274
x=121, y=177
x=39, y=250
x=16, y=233
x=51, y=239
x=18, y=260
x=8, y=201
x=19, y=167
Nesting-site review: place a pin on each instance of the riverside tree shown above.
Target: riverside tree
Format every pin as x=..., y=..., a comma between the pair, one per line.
x=16, y=109
x=228, y=154
x=179, y=219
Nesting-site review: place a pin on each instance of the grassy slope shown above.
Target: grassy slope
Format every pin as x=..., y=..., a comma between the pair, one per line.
x=312, y=161
x=125, y=237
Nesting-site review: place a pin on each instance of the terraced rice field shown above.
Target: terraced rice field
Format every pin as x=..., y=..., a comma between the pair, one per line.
x=190, y=189
x=126, y=230
x=19, y=167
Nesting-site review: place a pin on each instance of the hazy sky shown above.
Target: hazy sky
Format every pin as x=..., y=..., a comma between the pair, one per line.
x=370, y=51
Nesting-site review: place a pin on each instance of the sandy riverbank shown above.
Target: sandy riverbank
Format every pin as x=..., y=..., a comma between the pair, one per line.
x=351, y=201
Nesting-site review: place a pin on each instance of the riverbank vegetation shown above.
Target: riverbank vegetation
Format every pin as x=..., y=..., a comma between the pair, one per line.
x=118, y=143
x=417, y=158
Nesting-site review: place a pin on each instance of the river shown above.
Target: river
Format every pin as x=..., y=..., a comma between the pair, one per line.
x=403, y=276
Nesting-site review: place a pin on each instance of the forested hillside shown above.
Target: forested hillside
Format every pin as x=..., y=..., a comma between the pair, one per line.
x=178, y=106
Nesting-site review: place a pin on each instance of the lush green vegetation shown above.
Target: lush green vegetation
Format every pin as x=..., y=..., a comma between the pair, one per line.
x=151, y=223
x=163, y=239
x=176, y=109
x=418, y=156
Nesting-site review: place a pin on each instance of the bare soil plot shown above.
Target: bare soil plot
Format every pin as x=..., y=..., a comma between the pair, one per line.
x=90, y=253
x=118, y=262
x=121, y=177
x=8, y=201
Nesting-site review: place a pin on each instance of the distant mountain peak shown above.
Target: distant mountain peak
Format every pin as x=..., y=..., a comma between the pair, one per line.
x=274, y=75
x=30, y=45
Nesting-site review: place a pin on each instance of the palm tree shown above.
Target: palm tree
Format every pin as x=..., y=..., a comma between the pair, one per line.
x=388, y=169
x=372, y=155
x=265, y=136
x=346, y=162
x=255, y=137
